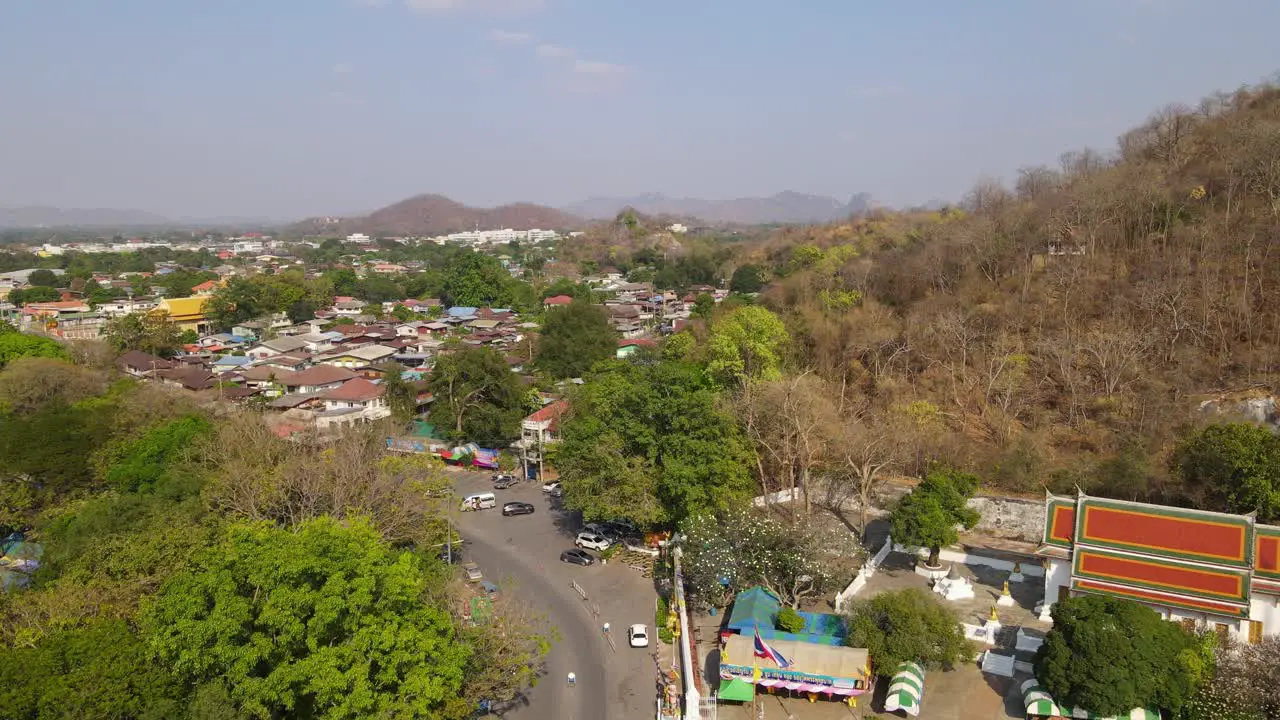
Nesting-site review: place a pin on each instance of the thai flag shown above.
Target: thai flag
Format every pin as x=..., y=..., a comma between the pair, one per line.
x=763, y=650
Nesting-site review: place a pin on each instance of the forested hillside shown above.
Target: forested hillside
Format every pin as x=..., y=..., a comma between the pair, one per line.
x=1065, y=330
x=1062, y=332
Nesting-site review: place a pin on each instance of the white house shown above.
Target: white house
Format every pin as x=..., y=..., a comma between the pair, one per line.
x=357, y=400
x=277, y=346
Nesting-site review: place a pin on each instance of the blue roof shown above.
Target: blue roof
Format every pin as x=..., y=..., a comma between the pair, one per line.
x=461, y=311
x=238, y=360
x=756, y=607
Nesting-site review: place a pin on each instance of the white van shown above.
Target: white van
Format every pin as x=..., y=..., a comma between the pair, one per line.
x=479, y=501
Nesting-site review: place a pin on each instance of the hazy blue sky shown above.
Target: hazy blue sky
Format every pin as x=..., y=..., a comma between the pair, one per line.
x=295, y=107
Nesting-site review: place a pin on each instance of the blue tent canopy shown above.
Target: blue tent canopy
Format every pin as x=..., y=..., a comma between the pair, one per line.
x=757, y=607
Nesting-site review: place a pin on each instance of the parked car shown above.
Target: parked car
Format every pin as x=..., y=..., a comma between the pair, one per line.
x=473, y=572
x=622, y=528
x=597, y=528
x=504, y=483
x=517, y=508
x=499, y=477
x=452, y=555
x=577, y=557
x=638, y=635
x=592, y=541
x=551, y=486
x=558, y=492
x=491, y=589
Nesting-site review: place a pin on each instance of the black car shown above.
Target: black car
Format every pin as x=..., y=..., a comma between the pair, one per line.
x=517, y=508
x=577, y=557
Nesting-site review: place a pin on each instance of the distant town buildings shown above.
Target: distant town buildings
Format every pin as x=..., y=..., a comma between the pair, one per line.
x=491, y=237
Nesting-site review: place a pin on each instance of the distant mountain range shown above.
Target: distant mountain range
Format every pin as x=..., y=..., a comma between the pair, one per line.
x=37, y=216
x=437, y=215
x=785, y=207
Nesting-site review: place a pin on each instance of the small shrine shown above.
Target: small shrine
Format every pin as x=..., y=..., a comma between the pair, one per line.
x=955, y=586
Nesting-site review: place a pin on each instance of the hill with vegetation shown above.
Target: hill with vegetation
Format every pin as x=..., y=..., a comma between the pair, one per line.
x=1064, y=332
x=425, y=215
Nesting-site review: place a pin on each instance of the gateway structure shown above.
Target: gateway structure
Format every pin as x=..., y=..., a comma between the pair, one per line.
x=1205, y=569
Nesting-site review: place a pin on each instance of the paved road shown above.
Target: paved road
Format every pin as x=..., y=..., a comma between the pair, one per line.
x=522, y=554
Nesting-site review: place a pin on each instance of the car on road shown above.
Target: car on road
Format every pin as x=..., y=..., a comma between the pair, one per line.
x=499, y=477
x=473, y=572
x=503, y=483
x=638, y=636
x=577, y=557
x=517, y=508
x=551, y=486
x=592, y=541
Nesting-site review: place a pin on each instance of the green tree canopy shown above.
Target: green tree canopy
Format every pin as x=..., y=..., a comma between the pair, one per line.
x=575, y=337
x=747, y=345
x=156, y=457
x=100, y=671
x=1109, y=656
x=477, y=397
x=651, y=442
x=150, y=332
x=15, y=345
x=747, y=279
x=43, y=277
x=927, y=516
x=908, y=625
x=321, y=621
x=1236, y=467
x=35, y=293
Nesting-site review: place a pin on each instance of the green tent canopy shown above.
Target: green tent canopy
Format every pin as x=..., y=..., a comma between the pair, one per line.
x=737, y=690
x=905, y=689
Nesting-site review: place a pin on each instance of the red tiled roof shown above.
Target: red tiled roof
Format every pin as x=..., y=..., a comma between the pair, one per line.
x=642, y=342
x=206, y=285
x=558, y=300
x=550, y=412
x=357, y=390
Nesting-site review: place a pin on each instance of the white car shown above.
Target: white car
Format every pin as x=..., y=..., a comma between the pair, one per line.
x=638, y=636
x=551, y=486
x=592, y=541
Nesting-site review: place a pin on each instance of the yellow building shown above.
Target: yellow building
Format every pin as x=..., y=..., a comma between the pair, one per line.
x=187, y=313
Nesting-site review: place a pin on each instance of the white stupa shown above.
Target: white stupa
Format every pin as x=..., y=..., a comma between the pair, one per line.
x=954, y=586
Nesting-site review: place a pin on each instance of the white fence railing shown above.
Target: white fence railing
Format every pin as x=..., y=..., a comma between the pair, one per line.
x=868, y=570
x=688, y=666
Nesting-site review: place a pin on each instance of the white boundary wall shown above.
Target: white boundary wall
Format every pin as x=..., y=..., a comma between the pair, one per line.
x=692, y=698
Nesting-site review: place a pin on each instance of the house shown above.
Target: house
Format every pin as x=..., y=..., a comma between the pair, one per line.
x=187, y=313
x=556, y=300
x=316, y=342
x=291, y=361
x=537, y=431
x=140, y=364
x=388, y=268
x=205, y=288
x=119, y=308
x=316, y=379
x=188, y=378
x=357, y=400
x=483, y=324
x=249, y=331
x=349, y=307
x=265, y=379
x=278, y=346
x=227, y=363
x=358, y=357
x=461, y=312
x=1205, y=570
x=629, y=346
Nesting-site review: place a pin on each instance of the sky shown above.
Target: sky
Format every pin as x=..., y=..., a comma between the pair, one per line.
x=292, y=108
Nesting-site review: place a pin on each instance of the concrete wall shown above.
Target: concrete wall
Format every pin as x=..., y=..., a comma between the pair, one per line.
x=1009, y=518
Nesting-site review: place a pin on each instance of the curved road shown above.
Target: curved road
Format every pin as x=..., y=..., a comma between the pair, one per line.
x=577, y=650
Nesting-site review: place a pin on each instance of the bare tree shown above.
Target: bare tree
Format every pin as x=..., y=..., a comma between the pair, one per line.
x=790, y=421
x=1113, y=351
x=261, y=477
x=866, y=450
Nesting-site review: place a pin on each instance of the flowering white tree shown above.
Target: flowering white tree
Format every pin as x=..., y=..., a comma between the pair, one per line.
x=725, y=553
